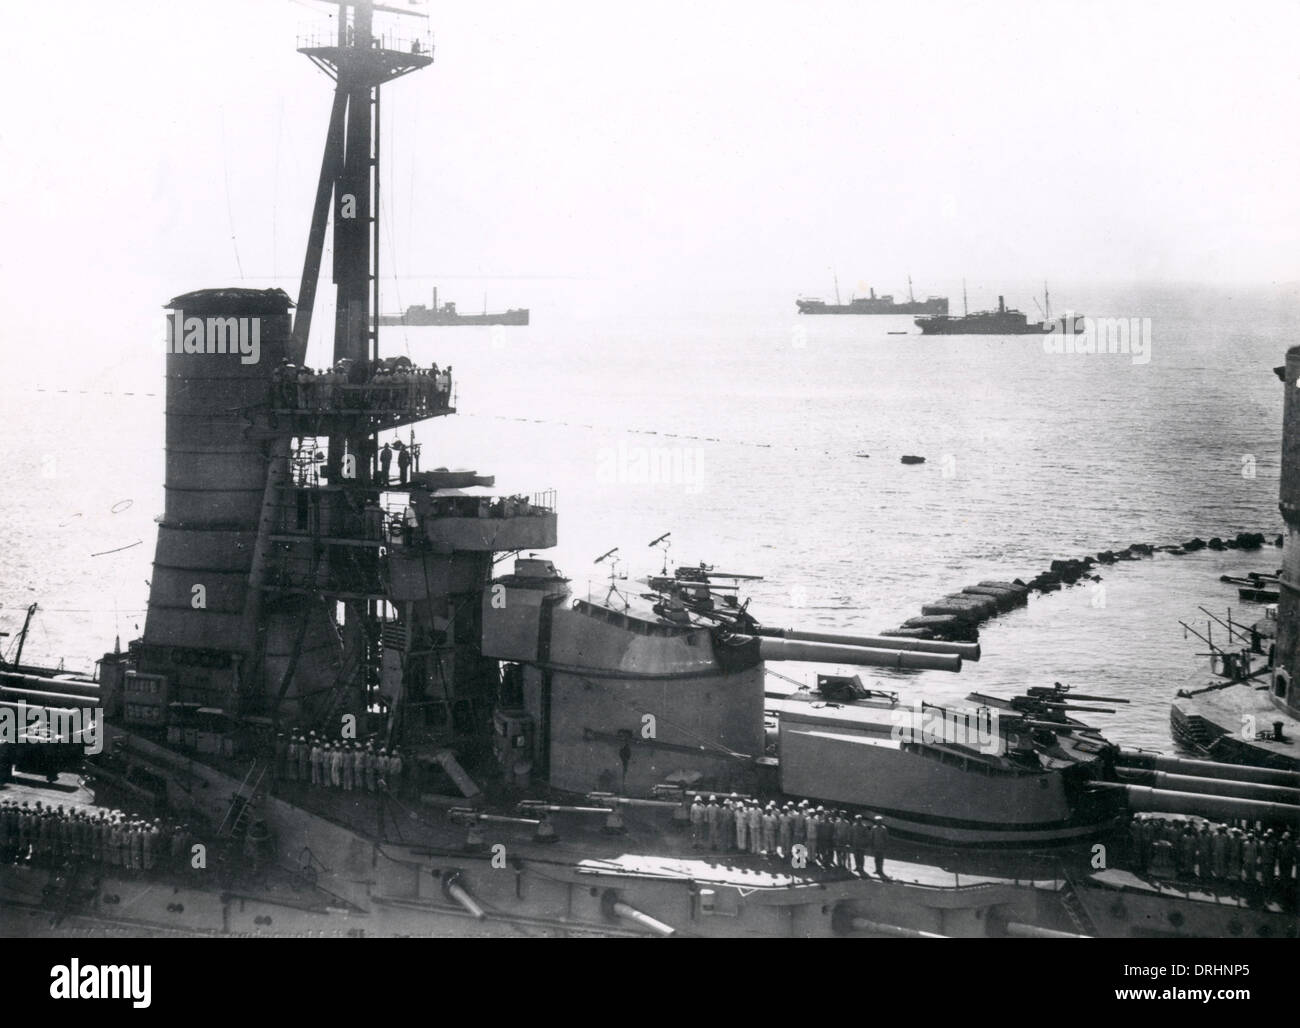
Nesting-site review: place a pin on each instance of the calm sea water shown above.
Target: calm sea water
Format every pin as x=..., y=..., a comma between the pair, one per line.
x=755, y=418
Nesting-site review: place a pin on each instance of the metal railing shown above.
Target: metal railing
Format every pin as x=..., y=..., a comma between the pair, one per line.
x=326, y=35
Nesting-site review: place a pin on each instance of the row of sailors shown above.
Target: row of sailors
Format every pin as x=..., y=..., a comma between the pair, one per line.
x=832, y=838
x=343, y=387
x=345, y=765
x=1213, y=852
x=54, y=836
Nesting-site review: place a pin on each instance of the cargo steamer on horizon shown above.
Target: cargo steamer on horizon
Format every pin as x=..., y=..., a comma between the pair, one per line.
x=418, y=315
x=1005, y=321
x=873, y=304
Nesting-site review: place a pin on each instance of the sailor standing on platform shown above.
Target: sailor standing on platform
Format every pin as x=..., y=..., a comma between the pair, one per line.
x=713, y=817
x=1250, y=858
x=755, y=817
x=1233, y=873
x=385, y=462
x=860, y=842
x=879, y=843
x=358, y=767
x=785, y=831
x=403, y=465
x=727, y=824
x=137, y=845
x=699, y=818
x=371, y=763
x=799, y=825
x=843, y=839
x=812, y=829
x=770, y=818
x=1204, y=852
x=1268, y=859
x=336, y=764
x=314, y=756
x=291, y=759
x=742, y=827
x=304, y=757
x=347, y=767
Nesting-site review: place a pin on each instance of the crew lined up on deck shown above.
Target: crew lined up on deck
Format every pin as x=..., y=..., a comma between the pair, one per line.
x=54, y=836
x=344, y=764
x=832, y=838
x=1261, y=858
x=360, y=385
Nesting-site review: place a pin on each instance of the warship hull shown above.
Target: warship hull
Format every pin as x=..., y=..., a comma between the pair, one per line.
x=329, y=873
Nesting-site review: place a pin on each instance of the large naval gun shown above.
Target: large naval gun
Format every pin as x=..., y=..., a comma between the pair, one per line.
x=554, y=745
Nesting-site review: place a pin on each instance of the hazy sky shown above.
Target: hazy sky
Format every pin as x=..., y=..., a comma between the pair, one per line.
x=658, y=148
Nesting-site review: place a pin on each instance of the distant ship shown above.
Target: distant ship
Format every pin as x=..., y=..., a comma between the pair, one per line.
x=419, y=314
x=873, y=304
x=1005, y=321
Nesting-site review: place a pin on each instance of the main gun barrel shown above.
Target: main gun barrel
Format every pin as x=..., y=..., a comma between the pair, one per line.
x=831, y=653
x=967, y=651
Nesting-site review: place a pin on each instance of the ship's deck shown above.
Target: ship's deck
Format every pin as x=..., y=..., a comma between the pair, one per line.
x=1222, y=710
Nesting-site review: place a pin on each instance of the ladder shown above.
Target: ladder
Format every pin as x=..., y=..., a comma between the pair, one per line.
x=1075, y=909
x=238, y=814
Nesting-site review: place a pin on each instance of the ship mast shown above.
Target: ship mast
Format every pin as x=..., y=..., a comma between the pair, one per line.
x=359, y=64
x=347, y=195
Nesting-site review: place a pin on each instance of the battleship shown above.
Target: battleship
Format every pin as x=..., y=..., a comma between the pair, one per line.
x=618, y=766
x=873, y=304
x=418, y=315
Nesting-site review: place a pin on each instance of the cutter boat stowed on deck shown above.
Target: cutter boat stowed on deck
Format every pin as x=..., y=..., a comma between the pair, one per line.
x=334, y=601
